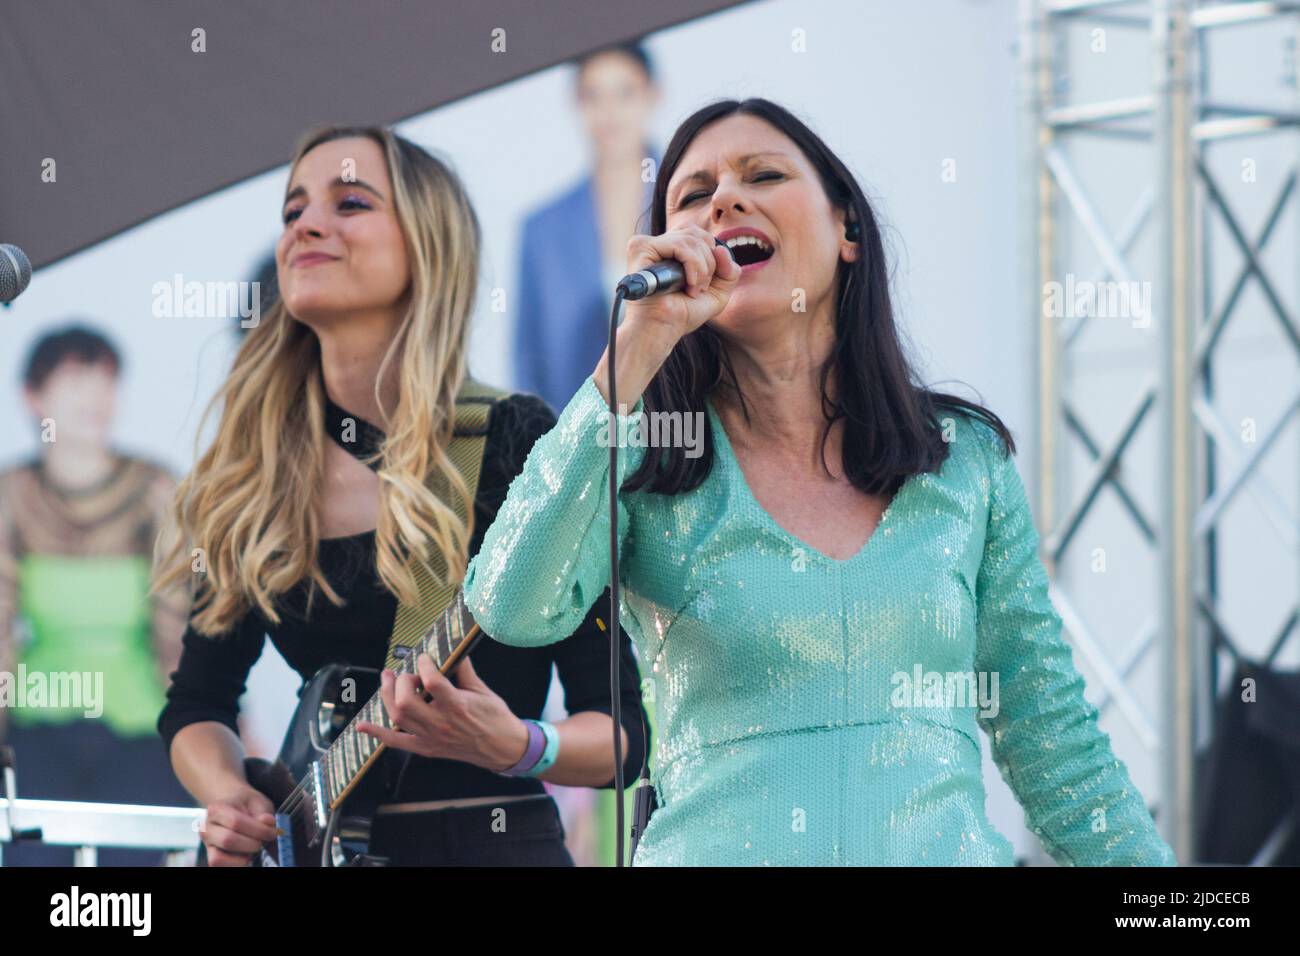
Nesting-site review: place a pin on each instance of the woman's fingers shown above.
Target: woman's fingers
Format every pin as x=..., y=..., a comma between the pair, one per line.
x=229, y=841
x=725, y=277
x=696, y=250
x=259, y=827
x=426, y=726
x=408, y=702
x=691, y=246
x=404, y=700
x=230, y=832
x=726, y=268
x=397, y=739
x=435, y=682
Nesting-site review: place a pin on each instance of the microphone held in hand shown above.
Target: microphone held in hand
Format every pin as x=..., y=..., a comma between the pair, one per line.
x=658, y=279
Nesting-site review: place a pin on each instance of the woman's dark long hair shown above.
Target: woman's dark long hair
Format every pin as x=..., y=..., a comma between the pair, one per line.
x=891, y=422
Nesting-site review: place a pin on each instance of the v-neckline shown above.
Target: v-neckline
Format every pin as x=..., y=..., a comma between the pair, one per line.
x=734, y=464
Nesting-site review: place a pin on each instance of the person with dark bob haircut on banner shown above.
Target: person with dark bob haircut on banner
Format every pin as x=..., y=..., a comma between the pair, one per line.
x=78, y=524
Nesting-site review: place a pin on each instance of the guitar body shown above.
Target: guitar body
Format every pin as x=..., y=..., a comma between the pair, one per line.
x=322, y=783
x=326, y=704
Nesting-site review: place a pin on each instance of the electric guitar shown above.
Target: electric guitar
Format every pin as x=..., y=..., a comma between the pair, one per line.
x=324, y=799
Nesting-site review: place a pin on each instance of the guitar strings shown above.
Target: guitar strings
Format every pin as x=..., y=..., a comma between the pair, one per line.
x=295, y=806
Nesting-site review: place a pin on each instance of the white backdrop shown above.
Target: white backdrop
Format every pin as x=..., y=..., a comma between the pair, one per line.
x=898, y=89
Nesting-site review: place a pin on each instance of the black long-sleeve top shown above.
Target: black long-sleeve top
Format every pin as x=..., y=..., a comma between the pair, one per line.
x=210, y=678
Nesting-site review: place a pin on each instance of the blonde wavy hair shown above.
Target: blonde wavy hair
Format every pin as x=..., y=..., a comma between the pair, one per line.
x=250, y=502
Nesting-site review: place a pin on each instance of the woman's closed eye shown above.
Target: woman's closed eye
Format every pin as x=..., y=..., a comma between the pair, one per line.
x=346, y=204
x=770, y=175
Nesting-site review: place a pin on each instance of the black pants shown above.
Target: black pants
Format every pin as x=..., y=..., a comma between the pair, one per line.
x=512, y=833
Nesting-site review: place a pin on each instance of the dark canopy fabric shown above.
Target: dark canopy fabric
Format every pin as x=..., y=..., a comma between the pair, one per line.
x=137, y=122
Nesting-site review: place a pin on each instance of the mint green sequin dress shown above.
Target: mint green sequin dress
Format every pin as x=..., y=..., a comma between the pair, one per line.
x=792, y=729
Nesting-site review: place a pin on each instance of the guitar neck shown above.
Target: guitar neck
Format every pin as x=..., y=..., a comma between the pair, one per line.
x=353, y=753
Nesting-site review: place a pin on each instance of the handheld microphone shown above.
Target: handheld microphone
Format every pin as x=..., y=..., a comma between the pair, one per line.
x=658, y=279
x=15, y=272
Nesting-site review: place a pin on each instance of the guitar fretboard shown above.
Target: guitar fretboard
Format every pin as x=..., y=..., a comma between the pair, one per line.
x=352, y=752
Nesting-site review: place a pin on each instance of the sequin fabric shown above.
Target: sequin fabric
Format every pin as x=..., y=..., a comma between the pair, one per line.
x=811, y=710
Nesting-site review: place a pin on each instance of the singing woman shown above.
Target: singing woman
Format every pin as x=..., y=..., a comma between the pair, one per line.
x=301, y=540
x=844, y=530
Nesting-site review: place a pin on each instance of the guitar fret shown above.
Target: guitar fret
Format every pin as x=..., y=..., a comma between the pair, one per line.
x=351, y=751
x=364, y=714
x=462, y=612
x=444, y=645
x=341, y=759
x=456, y=635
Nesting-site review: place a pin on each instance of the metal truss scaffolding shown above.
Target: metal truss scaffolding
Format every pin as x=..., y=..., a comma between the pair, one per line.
x=1173, y=116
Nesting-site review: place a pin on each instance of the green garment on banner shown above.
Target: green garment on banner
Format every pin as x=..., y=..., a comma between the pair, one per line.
x=91, y=646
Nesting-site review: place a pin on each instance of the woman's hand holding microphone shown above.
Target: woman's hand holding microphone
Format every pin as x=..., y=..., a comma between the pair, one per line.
x=651, y=327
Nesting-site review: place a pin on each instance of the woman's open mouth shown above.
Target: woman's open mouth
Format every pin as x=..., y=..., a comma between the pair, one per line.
x=750, y=248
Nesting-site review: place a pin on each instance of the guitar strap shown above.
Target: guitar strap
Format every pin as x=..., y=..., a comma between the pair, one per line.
x=474, y=405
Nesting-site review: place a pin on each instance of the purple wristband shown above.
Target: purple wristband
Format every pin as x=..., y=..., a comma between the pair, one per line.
x=536, y=747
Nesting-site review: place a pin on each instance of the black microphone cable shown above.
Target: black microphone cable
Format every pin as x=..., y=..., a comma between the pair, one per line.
x=644, y=790
x=634, y=286
x=615, y=618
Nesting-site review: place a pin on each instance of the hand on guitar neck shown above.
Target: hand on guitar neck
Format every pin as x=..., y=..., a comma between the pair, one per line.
x=465, y=720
